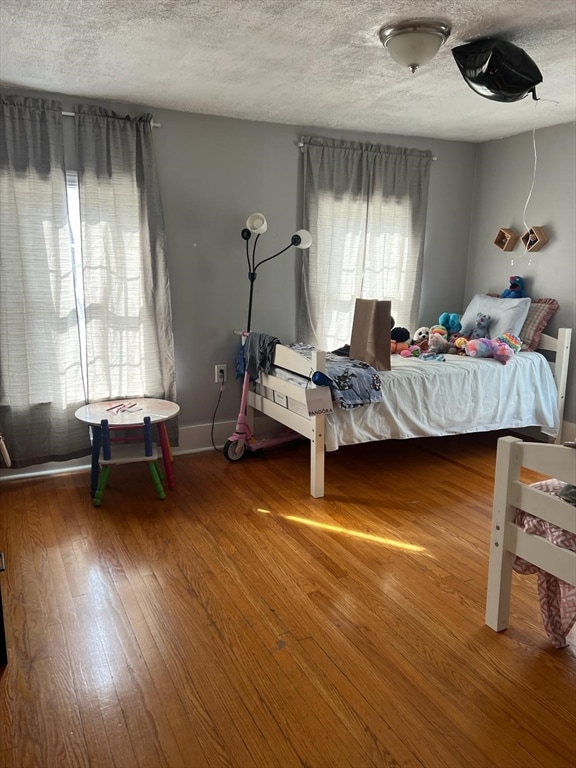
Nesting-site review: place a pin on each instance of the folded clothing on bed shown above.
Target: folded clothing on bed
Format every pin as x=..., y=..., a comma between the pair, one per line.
x=354, y=383
x=557, y=598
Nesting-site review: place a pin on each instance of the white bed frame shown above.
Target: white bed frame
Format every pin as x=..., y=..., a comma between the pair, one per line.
x=280, y=393
x=508, y=539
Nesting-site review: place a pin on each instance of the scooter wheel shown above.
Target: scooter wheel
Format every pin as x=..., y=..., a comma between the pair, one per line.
x=234, y=450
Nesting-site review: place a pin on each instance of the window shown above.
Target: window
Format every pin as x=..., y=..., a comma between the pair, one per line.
x=365, y=206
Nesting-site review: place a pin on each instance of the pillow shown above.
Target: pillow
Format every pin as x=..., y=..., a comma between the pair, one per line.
x=539, y=314
x=508, y=315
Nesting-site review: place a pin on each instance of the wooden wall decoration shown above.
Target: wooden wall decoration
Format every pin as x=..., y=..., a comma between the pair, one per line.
x=535, y=239
x=506, y=239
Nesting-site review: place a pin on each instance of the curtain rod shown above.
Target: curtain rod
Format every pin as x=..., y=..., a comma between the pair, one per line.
x=73, y=114
x=302, y=144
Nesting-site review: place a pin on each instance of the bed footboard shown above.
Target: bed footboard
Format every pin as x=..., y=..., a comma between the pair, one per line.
x=285, y=402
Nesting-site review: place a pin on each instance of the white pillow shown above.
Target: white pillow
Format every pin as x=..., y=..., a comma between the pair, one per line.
x=507, y=315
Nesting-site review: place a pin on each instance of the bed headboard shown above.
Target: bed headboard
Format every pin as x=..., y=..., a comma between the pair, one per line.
x=560, y=349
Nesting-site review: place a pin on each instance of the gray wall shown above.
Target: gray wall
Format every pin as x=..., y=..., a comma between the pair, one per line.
x=215, y=171
x=504, y=176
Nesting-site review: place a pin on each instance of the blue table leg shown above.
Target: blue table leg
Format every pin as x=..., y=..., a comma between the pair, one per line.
x=96, y=444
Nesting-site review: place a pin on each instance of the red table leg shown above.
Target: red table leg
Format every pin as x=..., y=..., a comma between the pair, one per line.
x=166, y=453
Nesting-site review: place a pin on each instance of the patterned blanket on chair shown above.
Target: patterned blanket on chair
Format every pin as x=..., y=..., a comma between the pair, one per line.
x=557, y=598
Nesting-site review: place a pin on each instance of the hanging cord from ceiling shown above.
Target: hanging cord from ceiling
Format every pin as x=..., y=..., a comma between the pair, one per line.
x=526, y=227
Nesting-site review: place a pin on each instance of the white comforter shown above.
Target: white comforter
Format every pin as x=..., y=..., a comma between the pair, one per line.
x=456, y=396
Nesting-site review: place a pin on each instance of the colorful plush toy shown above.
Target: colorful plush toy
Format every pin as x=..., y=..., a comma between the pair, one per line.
x=441, y=329
x=412, y=351
x=450, y=321
x=502, y=348
x=516, y=288
x=513, y=341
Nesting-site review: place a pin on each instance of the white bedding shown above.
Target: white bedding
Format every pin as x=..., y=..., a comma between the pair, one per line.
x=453, y=397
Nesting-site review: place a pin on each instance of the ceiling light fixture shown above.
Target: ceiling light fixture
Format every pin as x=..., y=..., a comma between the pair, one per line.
x=414, y=43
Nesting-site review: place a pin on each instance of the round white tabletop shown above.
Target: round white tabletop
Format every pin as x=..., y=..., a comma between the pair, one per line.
x=127, y=413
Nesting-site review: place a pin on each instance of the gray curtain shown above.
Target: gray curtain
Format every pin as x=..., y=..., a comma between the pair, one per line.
x=129, y=342
x=365, y=206
x=71, y=334
x=40, y=364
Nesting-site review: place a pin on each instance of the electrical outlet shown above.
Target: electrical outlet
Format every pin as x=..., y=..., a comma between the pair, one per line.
x=220, y=373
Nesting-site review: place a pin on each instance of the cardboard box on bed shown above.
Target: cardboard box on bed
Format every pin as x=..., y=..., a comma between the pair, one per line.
x=370, y=340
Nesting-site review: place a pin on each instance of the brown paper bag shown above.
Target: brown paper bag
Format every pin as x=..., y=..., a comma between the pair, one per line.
x=370, y=340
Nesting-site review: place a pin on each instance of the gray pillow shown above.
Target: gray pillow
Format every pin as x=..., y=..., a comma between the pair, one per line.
x=507, y=315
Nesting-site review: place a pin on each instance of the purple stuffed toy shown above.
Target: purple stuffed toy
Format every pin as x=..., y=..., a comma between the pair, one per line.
x=502, y=348
x=516, y=289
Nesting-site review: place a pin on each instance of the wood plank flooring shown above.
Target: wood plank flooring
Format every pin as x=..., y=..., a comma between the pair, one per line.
x=241, y=623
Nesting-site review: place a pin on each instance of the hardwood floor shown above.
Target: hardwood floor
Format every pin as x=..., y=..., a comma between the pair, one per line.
x=242, y=623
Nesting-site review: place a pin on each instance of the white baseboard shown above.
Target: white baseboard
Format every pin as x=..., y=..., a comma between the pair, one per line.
x=198, y=438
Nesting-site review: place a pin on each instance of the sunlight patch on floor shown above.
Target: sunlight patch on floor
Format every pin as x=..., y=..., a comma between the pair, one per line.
x=349, y=532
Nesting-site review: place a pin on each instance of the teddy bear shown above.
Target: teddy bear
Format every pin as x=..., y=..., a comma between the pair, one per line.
x=480, y=331
x=515, y=289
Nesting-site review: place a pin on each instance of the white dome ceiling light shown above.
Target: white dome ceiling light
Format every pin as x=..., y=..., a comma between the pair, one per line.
x=414, y=43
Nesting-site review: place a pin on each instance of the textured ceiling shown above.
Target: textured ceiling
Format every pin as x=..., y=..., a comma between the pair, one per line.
x=313, y=63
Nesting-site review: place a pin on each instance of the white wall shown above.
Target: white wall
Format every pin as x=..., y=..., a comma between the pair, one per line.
x=504, y=177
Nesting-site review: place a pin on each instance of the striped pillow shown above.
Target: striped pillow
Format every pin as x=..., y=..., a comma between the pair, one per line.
x=538, y=317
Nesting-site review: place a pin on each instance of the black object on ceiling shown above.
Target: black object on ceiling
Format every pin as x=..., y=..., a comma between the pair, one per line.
x=497, y=69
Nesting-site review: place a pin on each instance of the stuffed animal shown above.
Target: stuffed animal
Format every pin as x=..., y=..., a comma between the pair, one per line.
x=502, y=348
x=438, y=344
x=460, y=345
x=420, y=338
x=450, y=321
x=441, y=329
x=399, y=338
x=421, y=335
x=412, y=351
x=516, y=288
x=502, y=352
x=482, y=326
x=513, y=341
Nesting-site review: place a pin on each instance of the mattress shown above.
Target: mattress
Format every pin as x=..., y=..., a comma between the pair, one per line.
x=458, y=395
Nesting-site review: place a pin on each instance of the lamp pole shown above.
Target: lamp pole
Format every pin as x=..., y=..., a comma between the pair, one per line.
x=295, y=240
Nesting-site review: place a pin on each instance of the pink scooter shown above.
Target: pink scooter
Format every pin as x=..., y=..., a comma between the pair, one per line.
x=242, y=439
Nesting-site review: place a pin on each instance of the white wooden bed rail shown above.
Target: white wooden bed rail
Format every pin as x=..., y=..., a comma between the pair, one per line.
x=561, y=348
x=509, y=540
